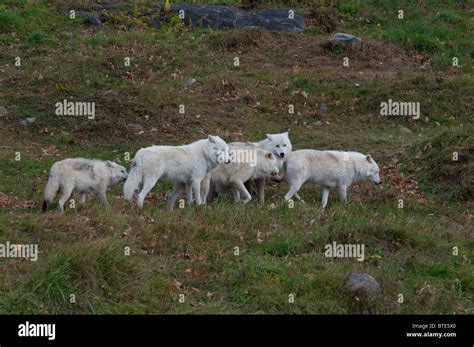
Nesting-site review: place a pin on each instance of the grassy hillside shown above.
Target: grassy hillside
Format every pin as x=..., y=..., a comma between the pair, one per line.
x=192, y=251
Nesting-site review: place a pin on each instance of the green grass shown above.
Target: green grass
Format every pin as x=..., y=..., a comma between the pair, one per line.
x=281, y=251
x=439, y=31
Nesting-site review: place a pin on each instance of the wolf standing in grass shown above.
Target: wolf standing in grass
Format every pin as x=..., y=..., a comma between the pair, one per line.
x=328, y=169
x=235, y=174
x=186, y=166
x=82, y=175
x=279, y=145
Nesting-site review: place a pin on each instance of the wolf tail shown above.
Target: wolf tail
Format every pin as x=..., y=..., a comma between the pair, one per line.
x=52, y=188
x=133, y=182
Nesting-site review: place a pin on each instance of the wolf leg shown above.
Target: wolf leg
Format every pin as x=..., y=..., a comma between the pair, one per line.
x=242, y=190
x=298, y=198
x=343, y=193
x=178, y=189
x=148, y=184
x=294, y=188
x=102, y=196
x=261, y=189
x=189, y=193
x=236, y=195
x=66, y=192
x=197, y=191
x=82, y=198
x=324, y=196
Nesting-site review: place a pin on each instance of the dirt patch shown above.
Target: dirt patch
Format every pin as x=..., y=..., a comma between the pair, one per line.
x=15, y=203
x=238, y=39
x=405, y=184
x=371, y=60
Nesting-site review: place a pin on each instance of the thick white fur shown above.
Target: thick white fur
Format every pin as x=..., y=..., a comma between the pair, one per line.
x=234, y=175
x=82, y=175
x=186, y=166
x=328, y=169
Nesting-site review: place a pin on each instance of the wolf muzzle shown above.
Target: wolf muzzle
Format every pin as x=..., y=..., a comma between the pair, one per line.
x=276, y=178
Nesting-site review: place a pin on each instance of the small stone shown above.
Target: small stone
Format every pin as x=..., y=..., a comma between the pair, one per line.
x=135, y=128
x=110, y=92
x=323, y=107
x=27, y=121
x=346, y=38
x=317, y=123
x=190, y=82
x=363, y=285
x=94, y=20
x=348, y=41
x=405, y=130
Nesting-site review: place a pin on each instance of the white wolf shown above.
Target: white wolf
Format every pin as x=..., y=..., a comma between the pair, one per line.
x=328, y=169
x=234, y=175
x=186, y=166
x=279, y=145
x=82, y=175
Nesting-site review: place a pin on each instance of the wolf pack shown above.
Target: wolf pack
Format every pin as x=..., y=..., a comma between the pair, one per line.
x=208, y=168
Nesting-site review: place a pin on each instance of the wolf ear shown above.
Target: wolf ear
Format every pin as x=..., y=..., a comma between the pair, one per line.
x=286, y=133
x=269, y=136
x=369, y=158
x=211, y=139
x=110, y=163
x=270, y=155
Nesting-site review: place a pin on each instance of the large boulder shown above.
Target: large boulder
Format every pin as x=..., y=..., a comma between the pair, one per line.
x=228, y=17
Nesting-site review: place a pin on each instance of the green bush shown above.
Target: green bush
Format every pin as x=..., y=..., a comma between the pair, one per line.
x=39, y=38
x=9, y=22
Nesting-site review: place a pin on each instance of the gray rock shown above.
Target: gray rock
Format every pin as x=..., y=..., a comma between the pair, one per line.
x=229, y=17
x=363, y=285
x=135, y=128
x=27, y=121
x=346, y=38
x=190, y=82
x=110, y=92
x=405, y=130
x=217, y=17
x=317, y=123
x=324, y=107
x=94, y=20
x=347, y=41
